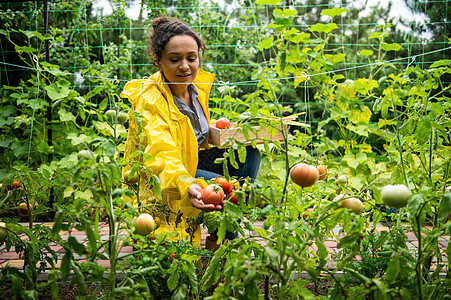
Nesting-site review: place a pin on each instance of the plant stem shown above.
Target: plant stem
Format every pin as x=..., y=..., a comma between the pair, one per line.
x=400, y=146
x=419, y=258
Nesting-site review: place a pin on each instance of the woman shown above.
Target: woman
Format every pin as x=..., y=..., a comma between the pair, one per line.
x=173, y=127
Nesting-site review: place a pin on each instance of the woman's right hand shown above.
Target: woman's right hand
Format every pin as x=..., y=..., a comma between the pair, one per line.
x=195, y=196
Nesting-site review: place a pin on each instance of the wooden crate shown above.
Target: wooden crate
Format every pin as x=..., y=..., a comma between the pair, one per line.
x=219, y=136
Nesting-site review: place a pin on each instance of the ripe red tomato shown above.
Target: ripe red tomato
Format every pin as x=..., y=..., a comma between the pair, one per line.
x=144, y=224
x=222, y=123
x=226, y=185
x=322, y=172
x=395, y=196
x=232, y=198
x=213, y=194
x=304, y=175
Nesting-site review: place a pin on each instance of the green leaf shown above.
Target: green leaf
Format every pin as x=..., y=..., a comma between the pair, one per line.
x=347, y=240
x=273, y=257
x=268, y=43
x=79, y=279
x=322, y=250
x=440, y=63
x=444, y=209
x=20, y=49
x=76, y=246
x=390, y=47
x=58, y=90
x=319, y=27
x=268, y=2
x=180, y=293
x=336, y=11
x=145, y=271
x=174, y=276
x=209, y=275
x=233, y=210
x=52, y=281
x=414, y=203
x=222, y=229
x=192, y=277
x=65, y=265
x=92, y=240
x=394, y=267
x=423, y=131
x=366, y=52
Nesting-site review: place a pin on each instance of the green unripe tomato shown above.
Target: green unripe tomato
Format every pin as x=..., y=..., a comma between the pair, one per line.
x=111, y=116
x=122, y=117
x=342, y=179
x=353, y=204
x=84, y=154
x=4, y=233
x=395, y=196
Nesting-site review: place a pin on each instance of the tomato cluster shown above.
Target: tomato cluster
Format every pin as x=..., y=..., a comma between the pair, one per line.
x=14, y=186
x=116, y=117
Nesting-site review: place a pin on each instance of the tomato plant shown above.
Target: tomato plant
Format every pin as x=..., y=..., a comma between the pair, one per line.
x=212, y=194
x=304, y=175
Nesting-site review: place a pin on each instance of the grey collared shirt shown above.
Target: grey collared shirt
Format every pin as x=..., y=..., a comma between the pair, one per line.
x=197, y=117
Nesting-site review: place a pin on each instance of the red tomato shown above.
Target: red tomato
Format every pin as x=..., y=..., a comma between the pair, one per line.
x=304, y=175
x=232, y=198
x=222, y=123
x=212, y=194
x=226, y=185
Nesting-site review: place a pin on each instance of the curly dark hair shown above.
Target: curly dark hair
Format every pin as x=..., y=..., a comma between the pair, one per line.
x=163, y=28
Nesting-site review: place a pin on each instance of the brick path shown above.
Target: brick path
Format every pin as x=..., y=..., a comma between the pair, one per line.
x=12, y=259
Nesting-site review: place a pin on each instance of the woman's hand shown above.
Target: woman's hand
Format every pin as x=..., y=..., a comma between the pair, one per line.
x=195, y=192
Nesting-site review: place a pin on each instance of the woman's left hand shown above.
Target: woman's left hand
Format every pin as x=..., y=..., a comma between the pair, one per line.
x=195, y=192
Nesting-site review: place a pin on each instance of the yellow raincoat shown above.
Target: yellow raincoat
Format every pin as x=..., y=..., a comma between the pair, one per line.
x=168, y=137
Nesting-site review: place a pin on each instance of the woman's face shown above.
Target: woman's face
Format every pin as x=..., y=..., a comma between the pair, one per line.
x=179, y=61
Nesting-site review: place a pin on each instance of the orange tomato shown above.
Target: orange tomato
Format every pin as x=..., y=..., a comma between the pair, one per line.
x=227, y=186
